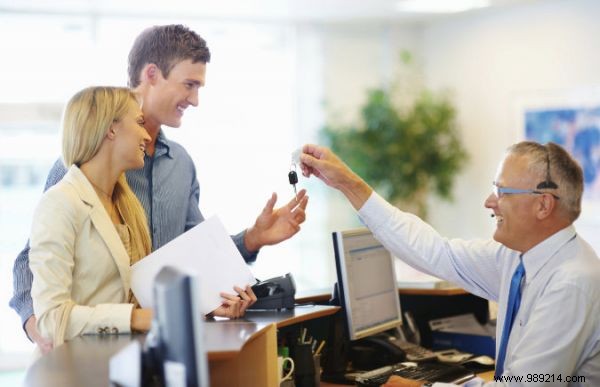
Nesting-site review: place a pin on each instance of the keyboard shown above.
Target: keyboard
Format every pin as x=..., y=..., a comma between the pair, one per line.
x=432, y=372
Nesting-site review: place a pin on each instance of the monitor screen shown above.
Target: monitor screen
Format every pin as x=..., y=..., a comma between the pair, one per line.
x=180, y=329
x=366, y=283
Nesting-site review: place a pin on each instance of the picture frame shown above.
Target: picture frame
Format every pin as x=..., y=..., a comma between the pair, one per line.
x=570, y=118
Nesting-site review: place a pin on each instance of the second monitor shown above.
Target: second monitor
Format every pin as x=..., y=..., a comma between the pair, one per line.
x=366, y=283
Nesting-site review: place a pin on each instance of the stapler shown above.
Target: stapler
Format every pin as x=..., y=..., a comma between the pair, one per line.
x=275, y=293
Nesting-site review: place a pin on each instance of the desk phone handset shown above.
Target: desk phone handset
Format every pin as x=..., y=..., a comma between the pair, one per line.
x=374, y=352
x=383, y=349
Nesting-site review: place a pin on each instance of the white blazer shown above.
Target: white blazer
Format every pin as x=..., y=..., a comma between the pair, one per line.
x=78, y=261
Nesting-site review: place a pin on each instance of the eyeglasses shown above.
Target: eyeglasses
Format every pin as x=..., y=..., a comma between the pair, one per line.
x=546, y=184
x=501, y=191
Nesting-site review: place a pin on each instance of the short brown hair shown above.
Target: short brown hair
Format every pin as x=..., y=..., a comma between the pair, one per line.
x=551, y=161
x=165, y=46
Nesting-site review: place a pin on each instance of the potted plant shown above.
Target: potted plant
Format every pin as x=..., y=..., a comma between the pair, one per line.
x=403, y=153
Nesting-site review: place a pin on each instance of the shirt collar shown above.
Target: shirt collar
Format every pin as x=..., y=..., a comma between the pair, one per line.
x=540, y=254
x=162, y=146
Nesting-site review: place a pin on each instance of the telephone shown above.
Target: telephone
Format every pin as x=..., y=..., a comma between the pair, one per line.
x=275, y=293
x=383, y=349
x=375, y=351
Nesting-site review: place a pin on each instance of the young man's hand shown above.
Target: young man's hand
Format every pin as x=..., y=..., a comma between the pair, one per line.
x=45, y=345
x=274, y=226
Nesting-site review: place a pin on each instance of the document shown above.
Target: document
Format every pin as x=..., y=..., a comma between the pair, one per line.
x=464, y=323
x=408, y=277
x=206, y=251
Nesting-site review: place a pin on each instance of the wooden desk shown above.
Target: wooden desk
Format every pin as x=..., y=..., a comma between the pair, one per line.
x=487, y=376
x=240, y=352
x=323, y=295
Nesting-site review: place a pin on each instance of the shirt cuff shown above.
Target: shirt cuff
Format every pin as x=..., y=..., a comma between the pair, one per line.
x=248, y=256
x=25, y=314
x=113, y=318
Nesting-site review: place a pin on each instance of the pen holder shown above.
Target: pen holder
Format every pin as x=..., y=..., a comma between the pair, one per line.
x=317, y=362
x=305, y=374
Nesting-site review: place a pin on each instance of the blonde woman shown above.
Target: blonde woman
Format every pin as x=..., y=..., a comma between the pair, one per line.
x=89, y=228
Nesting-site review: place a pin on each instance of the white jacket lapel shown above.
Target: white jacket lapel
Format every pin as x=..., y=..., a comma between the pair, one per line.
x=103, y=224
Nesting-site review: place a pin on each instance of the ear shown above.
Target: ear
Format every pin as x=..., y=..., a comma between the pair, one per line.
x=112, y=131
x=150, y=73
x=545, y=206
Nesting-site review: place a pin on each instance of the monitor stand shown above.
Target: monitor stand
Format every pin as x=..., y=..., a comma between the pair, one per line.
x=335, y=359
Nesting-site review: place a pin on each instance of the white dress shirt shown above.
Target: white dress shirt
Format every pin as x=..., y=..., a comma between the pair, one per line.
x=557, y=328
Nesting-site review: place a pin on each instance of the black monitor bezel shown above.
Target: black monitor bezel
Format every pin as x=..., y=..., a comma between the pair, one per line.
x=341, y=286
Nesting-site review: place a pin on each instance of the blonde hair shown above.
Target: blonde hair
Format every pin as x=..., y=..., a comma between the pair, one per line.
x=86, y=120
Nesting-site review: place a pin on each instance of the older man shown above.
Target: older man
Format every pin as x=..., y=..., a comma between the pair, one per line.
x=545, y=277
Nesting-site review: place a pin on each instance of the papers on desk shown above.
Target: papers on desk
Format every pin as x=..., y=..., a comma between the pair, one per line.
x=205, y=250
x=464, y=323
x=464, y=333
x=410, y=278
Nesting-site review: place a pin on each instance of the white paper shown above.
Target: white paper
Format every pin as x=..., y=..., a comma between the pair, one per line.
x=410, y=278
x=206, y=250
x=464, y=323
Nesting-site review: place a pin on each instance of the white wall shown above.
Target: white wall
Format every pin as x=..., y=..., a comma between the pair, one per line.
x=357, y=58
x=493, y=60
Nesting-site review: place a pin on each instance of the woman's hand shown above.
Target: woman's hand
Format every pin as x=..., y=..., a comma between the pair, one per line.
x=141, y=319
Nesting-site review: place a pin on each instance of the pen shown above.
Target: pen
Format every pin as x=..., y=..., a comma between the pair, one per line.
x=320, y=347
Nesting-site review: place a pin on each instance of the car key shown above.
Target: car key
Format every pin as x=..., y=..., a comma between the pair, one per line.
x=293, y=179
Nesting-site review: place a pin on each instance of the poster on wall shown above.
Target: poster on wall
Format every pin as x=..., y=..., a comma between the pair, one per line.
x=572, y=119
x=577, y=129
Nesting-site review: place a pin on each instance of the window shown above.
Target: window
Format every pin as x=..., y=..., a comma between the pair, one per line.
x=258, y=106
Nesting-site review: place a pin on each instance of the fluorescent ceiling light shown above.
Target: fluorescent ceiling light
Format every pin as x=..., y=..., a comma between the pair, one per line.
x=440, y=6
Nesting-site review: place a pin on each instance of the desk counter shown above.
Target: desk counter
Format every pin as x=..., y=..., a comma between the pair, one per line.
x=240, y=352
x=323, y=295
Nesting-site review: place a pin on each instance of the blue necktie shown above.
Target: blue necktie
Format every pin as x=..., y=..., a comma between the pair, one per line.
x=514, y=301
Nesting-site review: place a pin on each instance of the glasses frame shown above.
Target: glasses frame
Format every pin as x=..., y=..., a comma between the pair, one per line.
x=501, y=191
x=546, y=184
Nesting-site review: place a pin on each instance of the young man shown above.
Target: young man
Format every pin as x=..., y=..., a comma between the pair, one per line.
x=167, y=67
x=545, y=277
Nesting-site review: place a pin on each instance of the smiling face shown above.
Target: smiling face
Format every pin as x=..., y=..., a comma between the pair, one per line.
x=131, y=137
x=515, y=214
x=166, y=99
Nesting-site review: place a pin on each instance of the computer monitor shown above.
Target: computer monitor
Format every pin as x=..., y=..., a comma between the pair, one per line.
x=179, y=325
x=366, y=282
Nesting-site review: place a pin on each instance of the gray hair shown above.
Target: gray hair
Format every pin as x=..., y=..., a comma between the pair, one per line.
x=559, y=173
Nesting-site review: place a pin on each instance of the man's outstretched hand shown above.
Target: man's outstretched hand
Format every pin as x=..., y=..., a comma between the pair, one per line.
x=274, y=226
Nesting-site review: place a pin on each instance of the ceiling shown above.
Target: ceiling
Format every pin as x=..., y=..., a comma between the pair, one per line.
x=257, y=10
